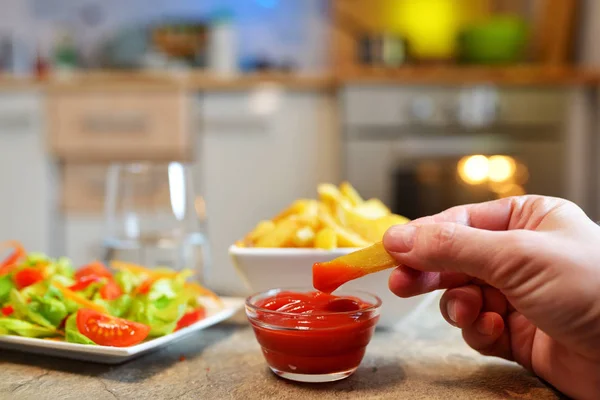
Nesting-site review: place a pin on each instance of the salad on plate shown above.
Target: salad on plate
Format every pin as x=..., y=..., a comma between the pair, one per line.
x=47, y=298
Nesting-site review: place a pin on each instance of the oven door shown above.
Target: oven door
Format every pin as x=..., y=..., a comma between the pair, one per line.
x=424, y=175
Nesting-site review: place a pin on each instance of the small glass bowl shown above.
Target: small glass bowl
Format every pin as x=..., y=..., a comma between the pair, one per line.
x=316, y=347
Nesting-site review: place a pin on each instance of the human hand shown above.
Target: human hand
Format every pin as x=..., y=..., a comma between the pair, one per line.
x=523, y=282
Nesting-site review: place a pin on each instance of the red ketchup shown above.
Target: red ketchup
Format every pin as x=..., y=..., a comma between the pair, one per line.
x=313, y=333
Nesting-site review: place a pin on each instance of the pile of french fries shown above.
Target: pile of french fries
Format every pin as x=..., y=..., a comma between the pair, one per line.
x=339, y=218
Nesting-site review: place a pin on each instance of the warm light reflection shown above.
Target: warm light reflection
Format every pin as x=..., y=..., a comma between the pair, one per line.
x=510, y=189
x=473, y=169
x=521, y=174
x=501, y=168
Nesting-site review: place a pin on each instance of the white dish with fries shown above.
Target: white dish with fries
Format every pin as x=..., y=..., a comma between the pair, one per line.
x=281, y=252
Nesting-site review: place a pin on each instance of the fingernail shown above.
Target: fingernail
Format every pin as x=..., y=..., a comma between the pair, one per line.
x=451, y=310
x=400, y=238
x=485, y=326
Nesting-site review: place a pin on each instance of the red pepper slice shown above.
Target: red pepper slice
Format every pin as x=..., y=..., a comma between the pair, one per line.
x=7, y=310
x=10, y=262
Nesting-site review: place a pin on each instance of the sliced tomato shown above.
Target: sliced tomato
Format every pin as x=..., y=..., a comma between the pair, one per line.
x=191, y=318
x=7, y=310
x=10, y=262
x=96, y=268
x=110, y=291
x=83, y=282
x=27, y=277
x=105, y=330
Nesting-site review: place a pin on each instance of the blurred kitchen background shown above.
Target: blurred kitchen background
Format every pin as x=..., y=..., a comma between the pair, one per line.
x=226, y=111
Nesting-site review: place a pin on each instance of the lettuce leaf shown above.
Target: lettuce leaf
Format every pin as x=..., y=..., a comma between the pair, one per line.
x=6, y=285
x=34, y=258
x=37, y=289
x=161, y=321
x=52, y=309
x=128, y=281
x=72, y=334
x=24, y=328
x=118, y=307
x=65, y=268
x=23, y=311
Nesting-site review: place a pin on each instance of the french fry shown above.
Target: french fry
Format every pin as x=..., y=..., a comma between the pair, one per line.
x=304, y=237
x=297, y=207
x=368, y=228
x=326, y=239
x=281, y=236
x=331, y=196
x=345, y=237
x=261, y=229
x=372, y=208
x=328, y=276
x=351, y=194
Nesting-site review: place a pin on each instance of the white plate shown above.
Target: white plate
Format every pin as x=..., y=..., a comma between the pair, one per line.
x=117, y=355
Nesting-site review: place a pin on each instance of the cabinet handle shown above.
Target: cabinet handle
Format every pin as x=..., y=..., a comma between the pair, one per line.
x=115, y=123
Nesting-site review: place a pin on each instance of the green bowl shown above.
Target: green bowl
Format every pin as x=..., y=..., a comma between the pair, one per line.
x=500, y=40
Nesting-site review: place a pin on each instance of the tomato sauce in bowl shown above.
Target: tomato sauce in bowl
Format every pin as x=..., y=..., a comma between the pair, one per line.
x=310, y=336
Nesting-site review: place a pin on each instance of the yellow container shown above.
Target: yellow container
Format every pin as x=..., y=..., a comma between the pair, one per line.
x=431, y=26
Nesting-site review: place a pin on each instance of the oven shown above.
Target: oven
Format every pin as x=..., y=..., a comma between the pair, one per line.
x=425, y=149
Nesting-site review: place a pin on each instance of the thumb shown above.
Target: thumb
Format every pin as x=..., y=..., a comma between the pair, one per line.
x=493, y=256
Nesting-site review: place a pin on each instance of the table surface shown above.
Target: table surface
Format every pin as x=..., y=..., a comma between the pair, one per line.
x=423, y=359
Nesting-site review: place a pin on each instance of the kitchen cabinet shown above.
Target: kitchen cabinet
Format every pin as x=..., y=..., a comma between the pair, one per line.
x=27, y=174
x=120, y=124
x=252, y=165
x=248, y=166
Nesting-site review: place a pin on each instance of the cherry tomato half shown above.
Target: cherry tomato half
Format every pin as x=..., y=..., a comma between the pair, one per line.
x=96, y=268
x=190, y=318
x=27, y=277
x=105, y=330
x=110, y=291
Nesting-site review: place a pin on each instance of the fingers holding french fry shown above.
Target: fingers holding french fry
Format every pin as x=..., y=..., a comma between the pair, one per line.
x=339, y=218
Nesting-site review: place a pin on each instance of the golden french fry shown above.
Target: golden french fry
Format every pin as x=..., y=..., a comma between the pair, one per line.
x=345, y=237
x=326, y=239
x=309, y=215
x=304, y=237
x=370, y=229
x=328, y=276
x=261, y=229
x=372, y=208
x=281, y=236
x=351, y=194
x=297, y=207
x=331, y=196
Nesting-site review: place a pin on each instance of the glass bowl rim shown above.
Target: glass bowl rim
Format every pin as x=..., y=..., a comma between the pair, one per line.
x=348, y=292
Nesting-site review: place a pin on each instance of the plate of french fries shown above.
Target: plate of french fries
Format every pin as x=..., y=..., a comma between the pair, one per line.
x=339, y=218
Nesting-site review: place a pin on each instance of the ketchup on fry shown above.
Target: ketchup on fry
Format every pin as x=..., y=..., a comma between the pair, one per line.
x=313, y=333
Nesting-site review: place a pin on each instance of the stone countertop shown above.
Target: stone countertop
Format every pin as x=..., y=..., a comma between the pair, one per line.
x=423, y=359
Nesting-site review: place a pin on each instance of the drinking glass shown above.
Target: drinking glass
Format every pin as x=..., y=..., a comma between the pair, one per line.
x=154, y=217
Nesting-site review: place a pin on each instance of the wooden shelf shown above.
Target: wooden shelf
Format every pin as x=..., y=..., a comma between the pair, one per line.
x=189, y=80
x=524, y=75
